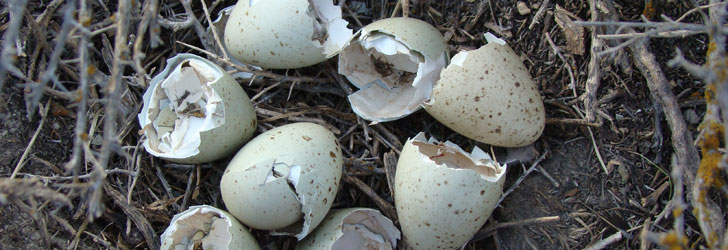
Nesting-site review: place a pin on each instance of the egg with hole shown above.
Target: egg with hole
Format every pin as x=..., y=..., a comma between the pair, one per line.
x=488, y=95
x=444, y=195
x=206, y=227
x=283, y=34
x=285, y=179
x=394, y=62
x=195, y=112
x=352, y=228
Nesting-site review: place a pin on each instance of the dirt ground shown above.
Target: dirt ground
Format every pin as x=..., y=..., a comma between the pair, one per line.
x=583, y=181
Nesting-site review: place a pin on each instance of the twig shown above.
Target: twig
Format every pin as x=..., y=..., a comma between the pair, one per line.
x=484, y=232
x=166, y=186
x=522, y=177
x=77, y=235
x=214, y=31
x=319, y=121
x=644, y=234
x=596, y=151
x=187, y=4
x=188, y=191
x=150, y=11
x=604, y=243
x=572, y=121
x=557, y=51
x=682, y=141
x=137, y=217
x=175, y=25
x=81, y=177
x=405, y=8
x=84, y=71
x=396, y=8
x=7, y=56
x=390, y=167
x=678, y=204
x=546, y=174
x=386, y=208
x=539, y=13
x=594, y=69
x=389, y=135
x=661, y=25
x=266, y=89
x=48, y=12
x=270, y=75
x=21, y=162
x=474, y=19
x=95, y=208
x=32, y=97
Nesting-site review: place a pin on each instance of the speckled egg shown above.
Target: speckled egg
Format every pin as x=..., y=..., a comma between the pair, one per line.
x=206, y=227
x=282, y=34
x=488, y=95
x=195, y=112
x=444, y=195
x=285, y=179
x=352, y=228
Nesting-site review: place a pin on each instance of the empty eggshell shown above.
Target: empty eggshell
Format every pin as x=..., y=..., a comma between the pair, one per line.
x=195, y=112
x=488, y=95
x=281, y=34
x=394, y=62
x=206, y=227
x=352, y=228
x=443, y=195
x=284, y=179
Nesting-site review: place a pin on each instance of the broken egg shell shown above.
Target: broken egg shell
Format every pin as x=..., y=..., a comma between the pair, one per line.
x=395, y=62
x=223, y=131
x=488, y=95
x=284, y=34
x=352, y=228
x=208, y=227
x=442, y=194
x=218, y=27
x=285, y=179
x=418, y=35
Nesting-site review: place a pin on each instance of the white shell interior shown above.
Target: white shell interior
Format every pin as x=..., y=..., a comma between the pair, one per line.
x=450, y=155
x=394, y=80
x=200, y=226
x=181, y=106
x=329, y=27
x=367, y=229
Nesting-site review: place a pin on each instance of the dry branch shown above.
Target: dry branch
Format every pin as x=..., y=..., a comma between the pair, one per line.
x=594, y=70
x=133, y=213
x=682, y=141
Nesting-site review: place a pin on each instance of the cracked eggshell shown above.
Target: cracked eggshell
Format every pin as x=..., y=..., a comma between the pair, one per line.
x=353, y=228
x=195, y=112
x=488, y=95
x=444, y=195
x=206, y=227
x=283, y=34
x=285, y=179
x=394, y=62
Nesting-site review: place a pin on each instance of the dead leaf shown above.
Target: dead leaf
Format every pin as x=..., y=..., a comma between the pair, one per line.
x=572, y=192
x=573, y=33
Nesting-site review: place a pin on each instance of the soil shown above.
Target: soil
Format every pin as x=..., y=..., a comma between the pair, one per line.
x=581, y=198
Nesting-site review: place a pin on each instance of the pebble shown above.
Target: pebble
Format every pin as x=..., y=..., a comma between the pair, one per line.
x=523, y=8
